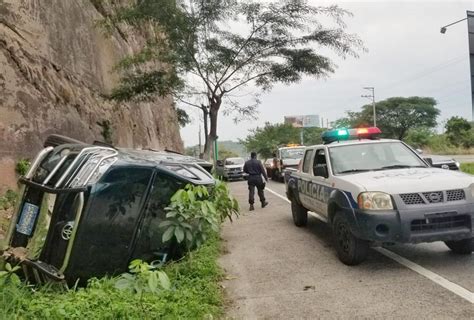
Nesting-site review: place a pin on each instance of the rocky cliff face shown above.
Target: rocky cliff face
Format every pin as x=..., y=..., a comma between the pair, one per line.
x=55, y=66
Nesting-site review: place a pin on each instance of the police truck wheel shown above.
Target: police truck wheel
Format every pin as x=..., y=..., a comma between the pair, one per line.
x=300, y=214
x=350, y=249
x=465, y=246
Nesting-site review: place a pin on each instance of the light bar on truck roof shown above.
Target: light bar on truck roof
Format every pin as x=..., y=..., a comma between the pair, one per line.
x=347, y=134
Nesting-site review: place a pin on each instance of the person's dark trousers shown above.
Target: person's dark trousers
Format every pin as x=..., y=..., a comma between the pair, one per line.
x=256, y=182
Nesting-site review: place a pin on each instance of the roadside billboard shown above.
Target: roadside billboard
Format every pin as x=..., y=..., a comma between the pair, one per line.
x=303, y=121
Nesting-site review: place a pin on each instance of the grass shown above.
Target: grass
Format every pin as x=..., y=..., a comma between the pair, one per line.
x=468, y=167
x=195, y=295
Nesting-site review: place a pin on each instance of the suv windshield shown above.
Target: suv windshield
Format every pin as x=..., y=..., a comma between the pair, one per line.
x=234, y=161
x=293, y=153
x=372, y=156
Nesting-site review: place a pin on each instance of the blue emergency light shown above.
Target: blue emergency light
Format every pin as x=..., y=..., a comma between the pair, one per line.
x=346, y=134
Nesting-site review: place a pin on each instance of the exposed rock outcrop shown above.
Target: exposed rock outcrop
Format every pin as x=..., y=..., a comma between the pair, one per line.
x=55, y=67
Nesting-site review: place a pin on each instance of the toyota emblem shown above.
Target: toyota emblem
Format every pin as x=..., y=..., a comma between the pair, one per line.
x=434, y=197
x=445, y=166
x=67, y=230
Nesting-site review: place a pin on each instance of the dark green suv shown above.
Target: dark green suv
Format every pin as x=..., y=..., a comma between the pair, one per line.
x=88, y=210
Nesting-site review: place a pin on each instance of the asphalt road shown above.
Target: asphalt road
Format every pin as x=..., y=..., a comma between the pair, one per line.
x=275, y=270
x=463, y=158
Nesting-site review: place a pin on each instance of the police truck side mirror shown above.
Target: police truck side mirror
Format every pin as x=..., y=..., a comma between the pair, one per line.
x=219, y=163
x=321, y=171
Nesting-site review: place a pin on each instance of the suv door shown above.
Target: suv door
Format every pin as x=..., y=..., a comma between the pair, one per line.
x=305, y=179
x=320, y=182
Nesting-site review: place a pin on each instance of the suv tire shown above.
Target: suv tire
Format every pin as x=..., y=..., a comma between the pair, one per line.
x=300, y=214
x=55, y=140
x=465, y=246
x=350, y=249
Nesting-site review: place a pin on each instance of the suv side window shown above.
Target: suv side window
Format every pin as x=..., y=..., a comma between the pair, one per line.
x=320, y=164
x=149, y=242
x=307, y=160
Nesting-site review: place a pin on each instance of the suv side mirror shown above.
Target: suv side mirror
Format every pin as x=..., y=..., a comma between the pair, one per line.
x=219, y=163
x=429, y=160
x=321, y=171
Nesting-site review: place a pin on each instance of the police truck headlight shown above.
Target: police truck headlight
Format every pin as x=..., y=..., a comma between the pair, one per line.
x=457, y=164
x=375, y=201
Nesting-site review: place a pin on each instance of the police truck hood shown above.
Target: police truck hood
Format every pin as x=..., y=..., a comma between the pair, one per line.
x=398, y=181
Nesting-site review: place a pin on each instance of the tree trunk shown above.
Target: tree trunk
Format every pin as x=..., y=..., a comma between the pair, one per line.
x=205, y=112
x=212, y=135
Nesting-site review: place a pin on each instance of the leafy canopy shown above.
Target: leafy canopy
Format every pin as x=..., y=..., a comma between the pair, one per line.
x=202, y=51
x=395, y=116
x=460, y=132
x=267, y=139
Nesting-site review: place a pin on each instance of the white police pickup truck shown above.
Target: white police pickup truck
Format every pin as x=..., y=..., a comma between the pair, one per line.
x=375, y=191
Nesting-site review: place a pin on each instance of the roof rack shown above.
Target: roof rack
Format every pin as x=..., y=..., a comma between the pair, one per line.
x=89, y=164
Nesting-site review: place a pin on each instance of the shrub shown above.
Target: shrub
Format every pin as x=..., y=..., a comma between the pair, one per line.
x=194, y=212
x=8, y=200
x=22, y=166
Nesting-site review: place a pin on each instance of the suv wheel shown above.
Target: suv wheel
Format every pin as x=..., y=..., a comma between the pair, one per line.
x=350, y=249
x=300, y=214
x=465, y=246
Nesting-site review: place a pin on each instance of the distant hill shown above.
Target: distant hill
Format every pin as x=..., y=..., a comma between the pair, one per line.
x=232, y=146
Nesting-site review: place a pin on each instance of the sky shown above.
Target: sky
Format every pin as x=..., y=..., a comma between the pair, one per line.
x=407, y=56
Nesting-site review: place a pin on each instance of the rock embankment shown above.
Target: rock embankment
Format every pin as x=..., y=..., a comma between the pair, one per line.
x=55, y=67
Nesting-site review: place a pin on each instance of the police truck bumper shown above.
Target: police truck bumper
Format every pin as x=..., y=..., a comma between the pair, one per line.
x=415, y=225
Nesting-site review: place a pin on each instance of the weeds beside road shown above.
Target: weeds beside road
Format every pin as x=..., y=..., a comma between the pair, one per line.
x=468, y=167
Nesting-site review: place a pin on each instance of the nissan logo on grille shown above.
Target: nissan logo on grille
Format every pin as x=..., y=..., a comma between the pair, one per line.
x=434, y=197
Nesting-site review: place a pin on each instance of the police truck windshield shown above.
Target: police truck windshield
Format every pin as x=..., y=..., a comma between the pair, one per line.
x=372, y=157
x=293, y=153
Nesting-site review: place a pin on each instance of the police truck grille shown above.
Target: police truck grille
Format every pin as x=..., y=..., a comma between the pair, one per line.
x=412, y=198
x=433, y=197
x=455, y=195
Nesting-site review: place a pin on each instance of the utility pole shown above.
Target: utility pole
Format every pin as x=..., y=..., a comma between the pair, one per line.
x=372, y=89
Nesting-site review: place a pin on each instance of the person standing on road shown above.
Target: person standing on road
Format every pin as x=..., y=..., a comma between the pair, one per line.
x=255, y=170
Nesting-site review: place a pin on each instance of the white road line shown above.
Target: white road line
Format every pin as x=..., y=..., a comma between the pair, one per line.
x=457, y=289
x=436, y=278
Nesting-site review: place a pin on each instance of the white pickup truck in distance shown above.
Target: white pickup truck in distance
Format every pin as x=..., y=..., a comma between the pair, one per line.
x=375, y=191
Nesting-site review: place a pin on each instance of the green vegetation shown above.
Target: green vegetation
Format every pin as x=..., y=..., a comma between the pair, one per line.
x=194, y=294
x=22, y=166
x=8, y=200
x=266, y=140
x=194, y=212
x=395, y=116
x=468, y=167
x=205, y=63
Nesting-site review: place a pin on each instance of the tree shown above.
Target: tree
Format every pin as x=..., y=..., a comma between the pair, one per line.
x=459, y=132
x=396, y=116
x=224, y=153
x=203, y=52
x=267, y=139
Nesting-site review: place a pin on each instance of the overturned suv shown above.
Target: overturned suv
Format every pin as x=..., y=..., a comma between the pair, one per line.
x=88, y=210
x=375, y=191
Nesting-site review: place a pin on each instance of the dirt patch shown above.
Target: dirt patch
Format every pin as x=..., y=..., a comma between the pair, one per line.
x=5, y=216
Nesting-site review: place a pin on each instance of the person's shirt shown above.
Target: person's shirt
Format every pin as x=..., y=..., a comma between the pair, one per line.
x=255, y=167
